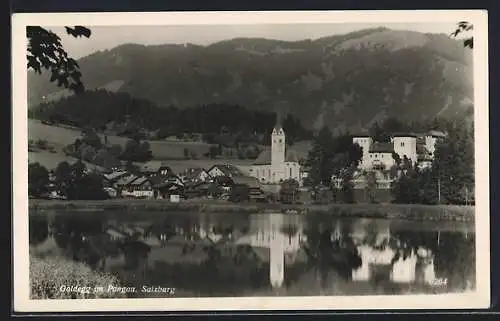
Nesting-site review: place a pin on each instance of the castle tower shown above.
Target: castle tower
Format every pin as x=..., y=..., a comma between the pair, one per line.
x=405, y=145
x=278, y=152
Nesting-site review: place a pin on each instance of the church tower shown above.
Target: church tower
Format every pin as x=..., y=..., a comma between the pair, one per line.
x=278, y=151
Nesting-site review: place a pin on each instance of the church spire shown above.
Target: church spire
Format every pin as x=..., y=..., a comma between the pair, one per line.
x=279, y=121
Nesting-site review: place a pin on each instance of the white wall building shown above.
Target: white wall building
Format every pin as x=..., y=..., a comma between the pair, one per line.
x=365, y=142
x=403, y=144
x=276, y=165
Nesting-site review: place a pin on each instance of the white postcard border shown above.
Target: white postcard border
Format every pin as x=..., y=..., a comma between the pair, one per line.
x=477, y=299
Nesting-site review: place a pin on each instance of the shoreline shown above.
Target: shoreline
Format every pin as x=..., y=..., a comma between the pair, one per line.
x=387, y=211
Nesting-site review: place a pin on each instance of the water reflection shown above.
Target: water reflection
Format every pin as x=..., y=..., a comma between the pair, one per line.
x=262, y=254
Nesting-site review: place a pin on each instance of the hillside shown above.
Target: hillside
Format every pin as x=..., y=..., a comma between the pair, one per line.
x=344, y=81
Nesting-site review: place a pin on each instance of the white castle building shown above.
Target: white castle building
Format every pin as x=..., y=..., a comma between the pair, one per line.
x=417, y=148
x=277, y=164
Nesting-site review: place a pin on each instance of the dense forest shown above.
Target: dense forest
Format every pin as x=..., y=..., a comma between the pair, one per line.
x=124, y=115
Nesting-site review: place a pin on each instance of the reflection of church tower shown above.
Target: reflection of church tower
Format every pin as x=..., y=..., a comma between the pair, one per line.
x=278, y=151
x=277, y=252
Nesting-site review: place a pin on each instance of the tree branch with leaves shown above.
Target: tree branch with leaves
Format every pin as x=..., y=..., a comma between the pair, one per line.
x=45, y=51
x=463, y=27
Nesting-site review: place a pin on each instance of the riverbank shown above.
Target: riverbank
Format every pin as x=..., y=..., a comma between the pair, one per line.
x=388, y=211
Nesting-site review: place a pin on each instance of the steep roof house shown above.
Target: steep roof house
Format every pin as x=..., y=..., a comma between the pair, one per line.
x=224, y=170
x=155, y=168
x=196, y=175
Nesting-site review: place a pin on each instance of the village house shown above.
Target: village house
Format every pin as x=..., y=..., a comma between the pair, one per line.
x=275, y=165
x=141, y=187
x=123, y=182
x=110, y=179
x=155, y=168
x=166, y=185
x=115, y=235
x=195, y=176
x=224, y=170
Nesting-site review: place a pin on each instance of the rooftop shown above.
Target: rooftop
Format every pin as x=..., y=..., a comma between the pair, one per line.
x=115, y=175
x=153, y=166
x=228, y=170
x=139, y=181
x=403, y=134
x=378, y=147
x=126, y=180
x=265, y=157
x=252, y=182
x=436, y=133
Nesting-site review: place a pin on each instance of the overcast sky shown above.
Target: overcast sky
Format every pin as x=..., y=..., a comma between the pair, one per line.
x=107, y=37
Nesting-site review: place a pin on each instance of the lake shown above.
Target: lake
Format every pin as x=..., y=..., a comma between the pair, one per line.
x=238, y=254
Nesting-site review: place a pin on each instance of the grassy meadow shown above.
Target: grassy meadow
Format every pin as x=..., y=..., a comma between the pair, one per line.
x=62, y=136
x=172, y=152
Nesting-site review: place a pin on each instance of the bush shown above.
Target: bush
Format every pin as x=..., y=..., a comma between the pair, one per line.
x=49, y=275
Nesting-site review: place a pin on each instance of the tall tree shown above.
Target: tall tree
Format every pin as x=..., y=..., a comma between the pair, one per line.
x=453, y=166
x=371, y=186
x=45, y=51
x=319, y=159
x=63, y=178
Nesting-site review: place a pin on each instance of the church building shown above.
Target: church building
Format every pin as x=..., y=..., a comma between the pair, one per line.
x=277, y=164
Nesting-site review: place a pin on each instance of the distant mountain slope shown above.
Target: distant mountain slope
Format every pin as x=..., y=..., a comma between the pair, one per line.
x=344, y=81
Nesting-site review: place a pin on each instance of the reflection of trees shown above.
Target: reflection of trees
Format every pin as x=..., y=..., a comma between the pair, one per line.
x=325, y=253
x=222, y=263
x=38, y=229
x=81, y=237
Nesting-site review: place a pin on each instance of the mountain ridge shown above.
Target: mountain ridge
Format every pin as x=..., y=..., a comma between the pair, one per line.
x=343, y=81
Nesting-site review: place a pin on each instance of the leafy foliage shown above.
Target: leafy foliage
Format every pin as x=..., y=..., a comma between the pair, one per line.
x=333, y=157
x=462, y=27
x=38, y=179
x=45, y=51
x=289, y=191
x=451, y=178
x=73, y=182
